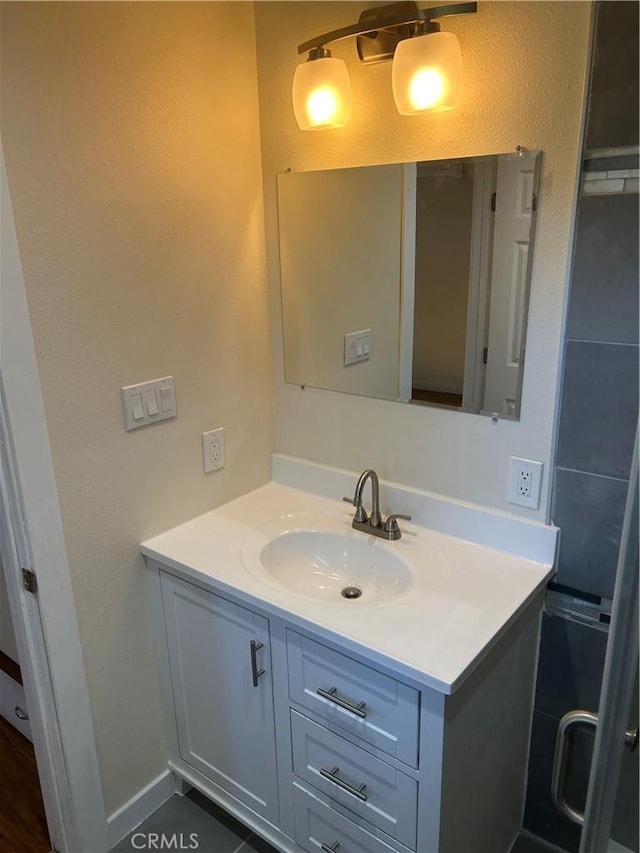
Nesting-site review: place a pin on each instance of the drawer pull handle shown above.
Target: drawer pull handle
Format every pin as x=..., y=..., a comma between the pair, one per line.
x=332, y=695
x=255, y=672
x=330, y=848
x=332, y=776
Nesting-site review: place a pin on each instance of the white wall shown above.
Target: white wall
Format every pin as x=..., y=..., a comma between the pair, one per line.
x=525, y=68
x=134, y=171
x=345, y=289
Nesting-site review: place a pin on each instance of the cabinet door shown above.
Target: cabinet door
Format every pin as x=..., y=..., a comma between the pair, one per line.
x=223, y=692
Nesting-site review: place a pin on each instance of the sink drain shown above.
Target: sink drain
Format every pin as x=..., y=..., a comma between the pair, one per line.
x=351, y=592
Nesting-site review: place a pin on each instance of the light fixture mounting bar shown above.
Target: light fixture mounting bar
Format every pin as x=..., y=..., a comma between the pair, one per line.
x=388, y=18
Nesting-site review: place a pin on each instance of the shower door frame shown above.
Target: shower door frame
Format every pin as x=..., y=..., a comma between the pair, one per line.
x=618, y=681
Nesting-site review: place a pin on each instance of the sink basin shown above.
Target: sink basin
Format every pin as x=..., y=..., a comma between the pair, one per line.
x=332, y=565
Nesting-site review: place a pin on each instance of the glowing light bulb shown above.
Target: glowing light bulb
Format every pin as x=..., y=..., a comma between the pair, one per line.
x=321, y=94
x=426, y=88
x=322, y=105
x=427, y=73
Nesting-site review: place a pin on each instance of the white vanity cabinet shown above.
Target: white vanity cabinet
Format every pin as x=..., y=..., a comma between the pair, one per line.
x=318, y=747
x=219, y=657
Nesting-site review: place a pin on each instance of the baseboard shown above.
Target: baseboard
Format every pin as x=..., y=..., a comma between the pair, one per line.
x=139, y=807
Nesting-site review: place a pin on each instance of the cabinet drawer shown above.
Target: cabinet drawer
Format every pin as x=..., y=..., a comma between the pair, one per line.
x=319, y=828
x=363, y=702
x=367, y=786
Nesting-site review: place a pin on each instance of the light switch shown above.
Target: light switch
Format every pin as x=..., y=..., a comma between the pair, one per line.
x=136, y=407
x=166, y=398
x=148, y=402
x=151, y=399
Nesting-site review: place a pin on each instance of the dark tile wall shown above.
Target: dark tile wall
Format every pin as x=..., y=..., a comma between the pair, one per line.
x=612, y=118
x=599, y=408
x=598, y=418
x=569, y=677
x=589, y=511
x=571, y=662
x=605, y=308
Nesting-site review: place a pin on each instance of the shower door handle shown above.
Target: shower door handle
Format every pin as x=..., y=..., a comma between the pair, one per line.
x=561, y=759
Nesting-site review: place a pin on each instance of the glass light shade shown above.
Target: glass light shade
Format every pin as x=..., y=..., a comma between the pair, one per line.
x=427, y=73
x=321, y=94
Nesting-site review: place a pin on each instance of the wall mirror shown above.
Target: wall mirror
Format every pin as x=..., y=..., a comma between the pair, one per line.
x=410, y=281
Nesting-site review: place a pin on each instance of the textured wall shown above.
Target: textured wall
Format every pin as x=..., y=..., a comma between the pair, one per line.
x=525, y=69
x=134, y=170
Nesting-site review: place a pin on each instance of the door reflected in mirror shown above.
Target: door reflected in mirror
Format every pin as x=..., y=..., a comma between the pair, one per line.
x=410, y=282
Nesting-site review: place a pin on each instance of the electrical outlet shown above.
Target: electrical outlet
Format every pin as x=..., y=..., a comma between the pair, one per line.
x=213, y=450
x=525, y=483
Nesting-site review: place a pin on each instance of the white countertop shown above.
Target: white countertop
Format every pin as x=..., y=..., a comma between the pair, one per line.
x=462, y=598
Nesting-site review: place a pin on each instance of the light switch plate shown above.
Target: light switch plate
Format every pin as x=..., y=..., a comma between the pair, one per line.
x=148, y=402
x=357, y=346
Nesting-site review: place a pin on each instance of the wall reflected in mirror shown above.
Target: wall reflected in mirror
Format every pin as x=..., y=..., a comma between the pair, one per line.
x=410, y=282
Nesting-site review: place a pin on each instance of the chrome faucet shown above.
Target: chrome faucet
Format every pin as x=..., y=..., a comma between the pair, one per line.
x=374, y=518
x=373, y=524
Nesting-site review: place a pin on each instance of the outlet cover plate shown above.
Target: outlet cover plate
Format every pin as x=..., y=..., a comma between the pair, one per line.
x=213, y=450
x=525, y=482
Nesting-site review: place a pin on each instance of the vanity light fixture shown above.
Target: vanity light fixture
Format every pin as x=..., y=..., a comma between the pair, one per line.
x=426, y=72
x=321, y=91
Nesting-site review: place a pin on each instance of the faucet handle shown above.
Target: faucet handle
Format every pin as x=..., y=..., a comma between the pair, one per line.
x=391, y=524
x=361, y=514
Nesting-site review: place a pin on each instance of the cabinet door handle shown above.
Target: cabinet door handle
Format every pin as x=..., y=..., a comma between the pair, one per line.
x=332, y=776
x=332, y=695
x=255, y=672
x=330, y=848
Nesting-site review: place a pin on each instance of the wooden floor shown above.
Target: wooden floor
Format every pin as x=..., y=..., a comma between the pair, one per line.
x=23, y=826
x=441, y=398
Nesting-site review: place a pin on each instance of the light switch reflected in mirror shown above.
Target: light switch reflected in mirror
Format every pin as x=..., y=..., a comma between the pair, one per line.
x=410, y=281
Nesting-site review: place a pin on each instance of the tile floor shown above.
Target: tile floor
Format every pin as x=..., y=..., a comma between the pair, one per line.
x=218, y=832
x=528, y=843
x=215, y=831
